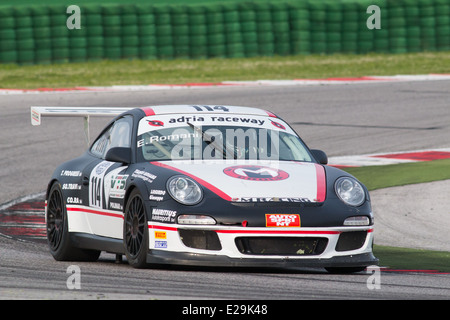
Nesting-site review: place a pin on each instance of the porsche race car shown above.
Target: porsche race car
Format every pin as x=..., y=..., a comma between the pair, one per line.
x=207, y=186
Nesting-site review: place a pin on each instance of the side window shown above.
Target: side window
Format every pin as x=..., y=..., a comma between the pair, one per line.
x=99, y=146
x=121, y=133
x=117, y=135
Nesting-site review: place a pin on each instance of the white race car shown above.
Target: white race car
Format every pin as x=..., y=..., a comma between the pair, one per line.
x=205, y=185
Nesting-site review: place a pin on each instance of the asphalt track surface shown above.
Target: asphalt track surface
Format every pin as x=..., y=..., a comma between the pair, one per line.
x=340, y=119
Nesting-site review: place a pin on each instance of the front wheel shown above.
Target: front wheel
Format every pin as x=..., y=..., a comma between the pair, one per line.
x=135, y=231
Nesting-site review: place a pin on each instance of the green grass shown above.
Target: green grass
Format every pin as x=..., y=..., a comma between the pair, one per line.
x=378, y=177
x=412, y=259
x=177, y=71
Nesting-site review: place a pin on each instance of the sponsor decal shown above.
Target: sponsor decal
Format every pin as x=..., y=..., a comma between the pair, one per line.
x=278, y=125
x=184, y=119
x=282, y=220
x=115, y=206
x=71, y=186
x=158, y=192
x=144, y=175
x=256, y=173
x=160, y=235
x=214, y=119
x=238, y=120
x=70, y=173
x=155, y=198
x=74, y=200
x=155, y=123
x=163, y=215
x=161, y=244
x=117, y=186
x=157, y=195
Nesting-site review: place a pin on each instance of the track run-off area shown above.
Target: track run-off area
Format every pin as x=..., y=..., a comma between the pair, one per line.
x=343, y=118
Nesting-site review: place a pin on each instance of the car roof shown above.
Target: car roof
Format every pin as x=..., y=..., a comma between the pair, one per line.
x=216, y=109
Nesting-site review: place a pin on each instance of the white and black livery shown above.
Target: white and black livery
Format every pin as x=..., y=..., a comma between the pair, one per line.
x=205, y=185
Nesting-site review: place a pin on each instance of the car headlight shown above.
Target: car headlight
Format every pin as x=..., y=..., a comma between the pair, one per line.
x=350, y=191
x=184, y=190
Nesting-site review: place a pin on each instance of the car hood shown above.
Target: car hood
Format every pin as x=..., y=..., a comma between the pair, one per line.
x=256, y=181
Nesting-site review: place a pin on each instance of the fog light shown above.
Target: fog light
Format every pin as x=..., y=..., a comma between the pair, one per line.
x=357, y=221
x=195, y=219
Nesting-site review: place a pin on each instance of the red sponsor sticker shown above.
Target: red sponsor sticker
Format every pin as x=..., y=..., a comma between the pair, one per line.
x=278, y=125
x=282, y=220
x=155, y=123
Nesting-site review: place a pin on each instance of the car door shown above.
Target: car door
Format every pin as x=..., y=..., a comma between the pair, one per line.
x=105, y=181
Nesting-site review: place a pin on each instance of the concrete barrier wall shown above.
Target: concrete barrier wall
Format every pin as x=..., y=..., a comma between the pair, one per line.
x=40, y=33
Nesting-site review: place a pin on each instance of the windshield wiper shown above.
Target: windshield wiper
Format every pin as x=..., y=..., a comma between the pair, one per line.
x=210, y=140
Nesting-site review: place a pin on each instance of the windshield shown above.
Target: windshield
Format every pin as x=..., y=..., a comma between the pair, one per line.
x=212, y=137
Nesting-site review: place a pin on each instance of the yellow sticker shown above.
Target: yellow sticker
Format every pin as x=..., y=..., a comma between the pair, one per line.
x=160, y=235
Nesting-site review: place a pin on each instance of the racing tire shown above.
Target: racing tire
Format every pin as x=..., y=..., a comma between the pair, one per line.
x=58, y=237
x=135, y=231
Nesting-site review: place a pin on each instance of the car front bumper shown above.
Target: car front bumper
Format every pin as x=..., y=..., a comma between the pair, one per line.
x=193, y=259
x=260, y=247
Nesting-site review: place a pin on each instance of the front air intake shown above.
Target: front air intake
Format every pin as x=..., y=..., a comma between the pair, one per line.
x=200, y=239
x=286, y=246
x=351, y=240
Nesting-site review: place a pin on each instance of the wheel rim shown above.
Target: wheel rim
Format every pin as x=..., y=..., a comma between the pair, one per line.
x=55, y=219
x=135, y=226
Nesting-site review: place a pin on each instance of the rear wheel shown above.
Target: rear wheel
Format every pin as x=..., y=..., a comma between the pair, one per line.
x=58, y=237
x=135, y=231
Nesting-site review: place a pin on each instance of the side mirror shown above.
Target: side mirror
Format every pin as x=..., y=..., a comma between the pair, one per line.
x=320, y=156
x=119, y=154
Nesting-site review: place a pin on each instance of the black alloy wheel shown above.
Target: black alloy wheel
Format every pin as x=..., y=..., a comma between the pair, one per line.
x=58, y=236
x=55, y=218
x=136, y=231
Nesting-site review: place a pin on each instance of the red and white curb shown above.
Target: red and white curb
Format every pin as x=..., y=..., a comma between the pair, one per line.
x=379, y=159
x=256, y=83
x=23, y=219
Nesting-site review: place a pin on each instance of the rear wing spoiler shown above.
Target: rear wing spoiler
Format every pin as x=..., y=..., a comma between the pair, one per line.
x=38, y=112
